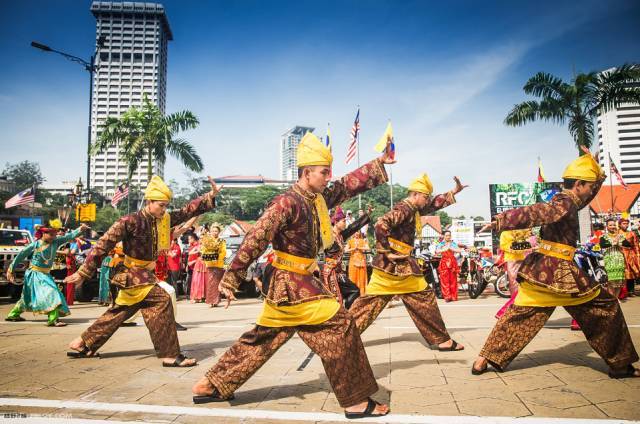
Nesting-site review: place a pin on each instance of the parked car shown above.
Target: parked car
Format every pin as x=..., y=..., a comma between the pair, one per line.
x=11, y=243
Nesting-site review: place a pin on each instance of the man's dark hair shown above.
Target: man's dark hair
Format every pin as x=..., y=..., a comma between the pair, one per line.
x=610, y=220
x=194, y=235
x=568, y=183
x=301, y=171
x=598, y=226
x=447, y=231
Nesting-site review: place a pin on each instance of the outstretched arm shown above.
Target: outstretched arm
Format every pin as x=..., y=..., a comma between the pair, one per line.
x=197, y=206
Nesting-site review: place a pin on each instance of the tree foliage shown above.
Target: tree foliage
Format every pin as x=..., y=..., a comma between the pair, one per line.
x=24, y=174
x=578, y=102
x=144, y=133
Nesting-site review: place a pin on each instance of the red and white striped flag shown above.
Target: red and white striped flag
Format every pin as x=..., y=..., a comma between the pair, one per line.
x=614, y=171
x=121, y=192
x=25, y=196
x=352, y=150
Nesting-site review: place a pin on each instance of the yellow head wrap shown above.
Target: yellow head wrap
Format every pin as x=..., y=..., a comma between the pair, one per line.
x=584, y=168
x=157, y=190
x=422, y=184
x=311, y=151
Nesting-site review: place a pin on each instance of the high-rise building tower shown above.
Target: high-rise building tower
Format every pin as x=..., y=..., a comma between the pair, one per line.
x=619, y=136
x=132, y=63
x=288, y=147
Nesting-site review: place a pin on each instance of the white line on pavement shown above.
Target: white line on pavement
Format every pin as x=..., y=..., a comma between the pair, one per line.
x=273, y=415
x=460, y=327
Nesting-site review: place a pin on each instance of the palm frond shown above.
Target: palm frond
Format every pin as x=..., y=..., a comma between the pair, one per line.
x=181, y=121
x=544, y=85
x=186, y=153
x=581, y=129
x=615, y=87
x=548, y=109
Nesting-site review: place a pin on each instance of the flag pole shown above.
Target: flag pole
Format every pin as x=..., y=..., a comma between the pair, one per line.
x=358, y=159
x=611, y=185
x=33, y=225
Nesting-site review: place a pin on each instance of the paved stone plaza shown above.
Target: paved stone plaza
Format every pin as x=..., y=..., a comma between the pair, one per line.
x=558, y=375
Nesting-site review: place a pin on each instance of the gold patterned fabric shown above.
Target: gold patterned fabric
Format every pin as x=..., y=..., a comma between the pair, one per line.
x=601, y=320
x=291, y=225
x=336, y=341
x=559, y=227
x=422, y=307
x=138, y=233
x=399, y=225
x=157, y=312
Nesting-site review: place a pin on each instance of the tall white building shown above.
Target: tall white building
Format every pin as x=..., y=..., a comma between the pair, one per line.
x=619, y=136
x=288, y=147
x=133, y=62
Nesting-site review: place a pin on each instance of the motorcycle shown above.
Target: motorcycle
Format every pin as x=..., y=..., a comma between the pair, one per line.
x=589, y=259
x=490, y=272
x=429, y=265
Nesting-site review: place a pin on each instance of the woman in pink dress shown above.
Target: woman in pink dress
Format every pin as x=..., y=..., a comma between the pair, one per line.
x=199, y=277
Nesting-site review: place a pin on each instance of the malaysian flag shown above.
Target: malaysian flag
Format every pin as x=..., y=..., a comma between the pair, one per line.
x=122, y=191
x=25, y=196
x=352, y=150
x=614, y=171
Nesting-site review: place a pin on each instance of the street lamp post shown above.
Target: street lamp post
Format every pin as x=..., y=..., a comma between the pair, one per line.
x=90, y=66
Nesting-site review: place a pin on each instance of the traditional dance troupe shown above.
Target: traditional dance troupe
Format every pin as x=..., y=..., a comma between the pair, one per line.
x=324, y=307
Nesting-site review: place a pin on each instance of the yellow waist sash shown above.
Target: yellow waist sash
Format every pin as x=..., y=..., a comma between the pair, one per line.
x=128, y=297
x=400, y=247
x=382, y=283
x=40, y=269
x=307, y=313
x=534, y=295
x=293, y=263
x=131, y=262
x=556, y=250
x=131, y=296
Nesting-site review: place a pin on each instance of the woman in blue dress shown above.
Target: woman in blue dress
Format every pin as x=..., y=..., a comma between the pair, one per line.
x=40, y=293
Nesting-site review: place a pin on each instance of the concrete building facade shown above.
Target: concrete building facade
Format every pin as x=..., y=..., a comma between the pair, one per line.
x=288, y=147
x=132, y=63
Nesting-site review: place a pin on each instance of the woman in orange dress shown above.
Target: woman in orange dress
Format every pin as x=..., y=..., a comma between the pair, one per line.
x=358, y=246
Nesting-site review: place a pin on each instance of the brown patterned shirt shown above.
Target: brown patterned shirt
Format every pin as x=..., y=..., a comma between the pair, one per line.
x=291, y=224
x=139, y=234
x=559, y=221
x=400, y=223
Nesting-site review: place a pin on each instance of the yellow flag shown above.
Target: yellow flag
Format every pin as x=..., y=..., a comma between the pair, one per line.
x=382, y=143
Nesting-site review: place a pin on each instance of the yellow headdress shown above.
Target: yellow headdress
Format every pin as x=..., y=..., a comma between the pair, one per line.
x=422, y=184
x=55, y=223
x=311, y=151
x=584, y=168
x=157, y=190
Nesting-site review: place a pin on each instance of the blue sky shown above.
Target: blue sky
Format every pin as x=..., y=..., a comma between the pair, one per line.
x=445, y=73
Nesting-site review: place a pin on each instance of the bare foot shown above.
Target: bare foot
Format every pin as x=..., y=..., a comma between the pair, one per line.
x=203, y=387
x=77, y=344
x=480, y=363
x=380, y=409
x=448, y=344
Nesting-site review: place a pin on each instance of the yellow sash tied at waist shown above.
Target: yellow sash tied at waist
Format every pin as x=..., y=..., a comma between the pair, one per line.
x=534, y=295
x=40, y=269
x=133, y=295
x=293, y=263
x=307, y=313
x=400, y=247
x=382, y=283
x=556, y=250
x=131, y=262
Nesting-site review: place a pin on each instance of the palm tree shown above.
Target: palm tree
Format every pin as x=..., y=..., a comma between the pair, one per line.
x=144, y=133
x=579, y=102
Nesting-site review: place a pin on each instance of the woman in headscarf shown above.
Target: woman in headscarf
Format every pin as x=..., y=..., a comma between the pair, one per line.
x=213, y=251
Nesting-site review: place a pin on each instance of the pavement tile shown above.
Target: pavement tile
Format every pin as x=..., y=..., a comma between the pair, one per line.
x=521, y=382
x=420, y=397
x=493, y=408
x=144, y=417
x=554, y=398
x=587, y=412
x=578, y=374
x=622, y=409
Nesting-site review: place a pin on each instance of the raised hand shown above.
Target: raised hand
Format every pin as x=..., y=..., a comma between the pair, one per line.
x=215, y=189
x=74, y=278
x=228, y=294
x=459, y=186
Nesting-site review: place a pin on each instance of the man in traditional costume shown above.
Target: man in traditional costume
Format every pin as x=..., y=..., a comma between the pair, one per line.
x=550, y=277
x=297, y=223
x=143, y=234
x=397, y=273
x=40, y=293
